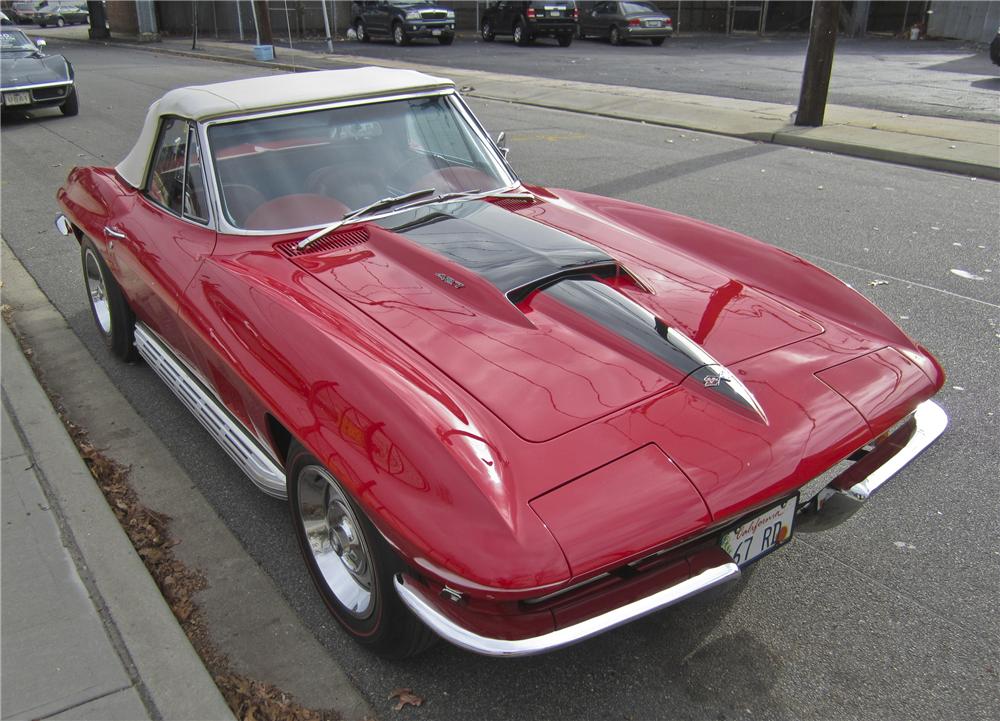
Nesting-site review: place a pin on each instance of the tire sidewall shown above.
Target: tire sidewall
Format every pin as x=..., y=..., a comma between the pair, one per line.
x=120, y=339
x=369, y=630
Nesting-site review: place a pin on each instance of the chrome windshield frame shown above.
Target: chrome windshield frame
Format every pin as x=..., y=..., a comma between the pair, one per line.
x=223, y=225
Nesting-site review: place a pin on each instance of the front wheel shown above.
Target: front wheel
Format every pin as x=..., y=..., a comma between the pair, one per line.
x=399, y=36
x=60, y=23
x=446, y=39
x=487, y=31
x=115, y=320
x=349, y=561
x=361, y=32
x=71, y=106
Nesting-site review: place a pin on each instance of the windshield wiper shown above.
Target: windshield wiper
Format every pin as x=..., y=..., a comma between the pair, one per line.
x=366, y=210
x=405, y=203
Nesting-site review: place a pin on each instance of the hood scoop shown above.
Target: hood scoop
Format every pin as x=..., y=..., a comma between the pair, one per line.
x=337, y=240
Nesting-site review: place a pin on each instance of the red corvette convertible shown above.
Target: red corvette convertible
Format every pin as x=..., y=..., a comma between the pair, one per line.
x=511, y=416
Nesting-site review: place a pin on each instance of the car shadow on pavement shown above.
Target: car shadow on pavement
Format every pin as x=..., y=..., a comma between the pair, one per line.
x=987, y=84
x=646, y=178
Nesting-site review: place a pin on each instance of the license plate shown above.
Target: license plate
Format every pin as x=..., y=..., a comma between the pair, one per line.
x=435, y=32
x=22, y=98
x=555, y=13
x=761, y=534
x=652, y=23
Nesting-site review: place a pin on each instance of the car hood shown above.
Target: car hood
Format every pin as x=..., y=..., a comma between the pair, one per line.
x=546, y=329
x=33, y=70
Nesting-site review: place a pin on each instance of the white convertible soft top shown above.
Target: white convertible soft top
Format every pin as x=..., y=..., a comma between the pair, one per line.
x=238, y=97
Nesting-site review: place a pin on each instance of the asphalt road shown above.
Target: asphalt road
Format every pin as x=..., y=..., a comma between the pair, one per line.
x=891, y=615
x=938, y=78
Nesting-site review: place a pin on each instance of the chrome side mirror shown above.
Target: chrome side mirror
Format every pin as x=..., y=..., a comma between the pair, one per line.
x=62, y=225
x=39, y=43
x=502, y=144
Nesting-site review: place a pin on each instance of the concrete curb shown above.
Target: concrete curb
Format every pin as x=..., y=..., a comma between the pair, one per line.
x=957, y=146
x=248, y=618
x=177, y=682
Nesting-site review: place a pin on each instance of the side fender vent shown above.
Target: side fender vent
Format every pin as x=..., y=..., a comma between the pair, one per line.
x=332, y=241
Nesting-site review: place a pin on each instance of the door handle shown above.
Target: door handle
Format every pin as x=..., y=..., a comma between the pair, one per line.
x=114, y=233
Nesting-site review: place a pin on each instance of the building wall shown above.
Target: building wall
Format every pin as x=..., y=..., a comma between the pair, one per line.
x=976, y=21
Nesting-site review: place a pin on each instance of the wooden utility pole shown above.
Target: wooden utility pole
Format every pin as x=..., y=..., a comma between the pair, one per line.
x=819, y=63
x=263, y=15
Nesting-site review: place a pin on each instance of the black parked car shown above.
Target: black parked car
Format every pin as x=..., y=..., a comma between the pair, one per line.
x=61, y=15
x=30, y=79
x=995, y=49
x=620, y=22
x=403, y=21
x=526, y=21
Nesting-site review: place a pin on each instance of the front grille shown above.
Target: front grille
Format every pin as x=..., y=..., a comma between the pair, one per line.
x=433, y=14
x=332, y=241
x=49, y=93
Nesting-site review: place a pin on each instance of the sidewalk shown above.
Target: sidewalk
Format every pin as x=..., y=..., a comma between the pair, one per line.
x=86, y=633
x=959, y=146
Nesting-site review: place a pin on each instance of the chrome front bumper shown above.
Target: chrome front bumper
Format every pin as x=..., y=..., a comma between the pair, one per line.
x=865, y=477
x=463, y=638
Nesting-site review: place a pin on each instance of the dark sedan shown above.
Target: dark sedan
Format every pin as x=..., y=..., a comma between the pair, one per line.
x=31, y=79
x=620, y=22
x=62, y=15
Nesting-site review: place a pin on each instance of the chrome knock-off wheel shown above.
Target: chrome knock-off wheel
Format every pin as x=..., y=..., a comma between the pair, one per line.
x=350, y=562
x=97, y=289
x=336, y=541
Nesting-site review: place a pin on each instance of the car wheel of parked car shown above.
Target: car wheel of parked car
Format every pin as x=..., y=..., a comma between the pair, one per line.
x=579, y=33
x=615, y=36
x=656, y=42
x=349, y=561
x=521, y=36
x=60, y=23
x=399, y=35
x=72, y=104
x=361, y=32
x=565, y=40
x=115, y=320
x=446, y=39
x=487, y=31
x=43, y=25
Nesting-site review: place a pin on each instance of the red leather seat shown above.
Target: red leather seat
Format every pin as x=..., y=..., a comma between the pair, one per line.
x=295, y=211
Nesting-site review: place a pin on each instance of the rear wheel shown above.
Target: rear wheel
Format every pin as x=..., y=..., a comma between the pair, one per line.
x=487, y=31
x=399, y=36
x=565, y=40
x=521, y=36
x=349, y=561
x=112, y=315
x=656, y=42
x=71, y=106
x=615, y=36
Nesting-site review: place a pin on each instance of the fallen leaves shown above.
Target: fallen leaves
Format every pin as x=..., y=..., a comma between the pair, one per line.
x=405, y=697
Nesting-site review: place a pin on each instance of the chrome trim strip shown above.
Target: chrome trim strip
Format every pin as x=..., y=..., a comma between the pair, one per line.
x=228, y=432
x=930, y=420
x=463, y=638
x=36, y=85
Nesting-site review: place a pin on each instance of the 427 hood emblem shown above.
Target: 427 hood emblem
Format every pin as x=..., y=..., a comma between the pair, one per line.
x=450, y=281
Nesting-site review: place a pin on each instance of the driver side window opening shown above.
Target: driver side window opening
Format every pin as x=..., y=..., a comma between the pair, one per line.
x=176, y=178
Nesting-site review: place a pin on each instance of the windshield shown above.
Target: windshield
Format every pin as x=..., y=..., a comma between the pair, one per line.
x=312, y=168
x=15, y=40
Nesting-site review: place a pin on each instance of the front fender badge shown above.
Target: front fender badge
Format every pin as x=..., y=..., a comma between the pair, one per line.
x=456, y=284
x=711, y=381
